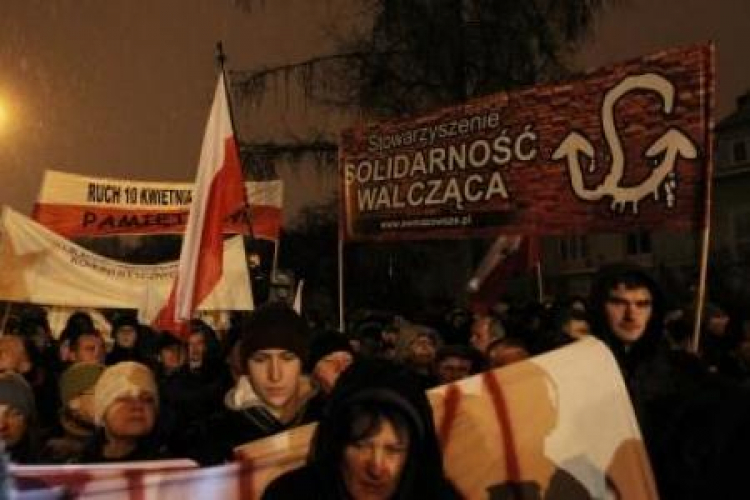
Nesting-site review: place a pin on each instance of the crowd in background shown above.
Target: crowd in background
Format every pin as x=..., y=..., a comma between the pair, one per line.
x=80, y=398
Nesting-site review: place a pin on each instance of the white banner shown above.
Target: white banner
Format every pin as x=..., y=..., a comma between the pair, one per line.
x=41, y=267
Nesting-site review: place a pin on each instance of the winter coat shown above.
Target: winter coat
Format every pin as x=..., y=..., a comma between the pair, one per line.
x=248, y=418
x=370, y=381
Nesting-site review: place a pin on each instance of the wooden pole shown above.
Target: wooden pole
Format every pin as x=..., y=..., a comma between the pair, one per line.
x=342, y=324
x=6, y=317
x=539, y=280
x=706, y=232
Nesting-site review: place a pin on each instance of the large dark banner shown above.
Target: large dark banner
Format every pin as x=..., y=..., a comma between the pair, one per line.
x=624, y=147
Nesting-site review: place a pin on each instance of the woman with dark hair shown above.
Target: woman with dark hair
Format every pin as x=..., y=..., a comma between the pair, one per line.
x=376, y=441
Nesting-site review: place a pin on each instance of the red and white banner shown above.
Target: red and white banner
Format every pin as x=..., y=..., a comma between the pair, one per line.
x=75, y=205
x=521, y=426
x=507, y=257
x=624, y=147
x=219, y=192
x=515, y=428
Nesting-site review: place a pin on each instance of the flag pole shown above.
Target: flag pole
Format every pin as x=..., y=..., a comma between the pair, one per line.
x=706, y=231
x=341, y=283
x=539, y=280
x=6, y=317
x=221, y=58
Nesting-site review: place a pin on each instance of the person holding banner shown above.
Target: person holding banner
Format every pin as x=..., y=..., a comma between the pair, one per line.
x=377, y=441
x=272, y=351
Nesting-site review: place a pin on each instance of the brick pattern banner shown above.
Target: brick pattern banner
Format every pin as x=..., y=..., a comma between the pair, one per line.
x=622, y=148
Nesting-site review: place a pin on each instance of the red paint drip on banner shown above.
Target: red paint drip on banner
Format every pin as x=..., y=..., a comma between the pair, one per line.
x=452, y=401
x=136, y=488
x=503, y=419
x=245, y=483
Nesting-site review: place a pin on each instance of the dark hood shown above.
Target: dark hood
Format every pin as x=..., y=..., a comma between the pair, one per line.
x=382, y=381
x=607, y=278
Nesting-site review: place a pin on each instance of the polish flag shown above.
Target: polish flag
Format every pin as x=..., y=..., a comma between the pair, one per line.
x=507, y=258
x=219, y=191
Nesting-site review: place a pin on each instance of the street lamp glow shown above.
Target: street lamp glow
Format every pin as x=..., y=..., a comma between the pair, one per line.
x=3, y=115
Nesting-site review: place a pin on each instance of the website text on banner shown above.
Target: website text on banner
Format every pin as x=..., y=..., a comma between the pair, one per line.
x=623, y=147
x=75, y=205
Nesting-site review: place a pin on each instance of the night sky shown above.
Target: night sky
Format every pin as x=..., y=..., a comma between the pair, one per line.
x=122, y=88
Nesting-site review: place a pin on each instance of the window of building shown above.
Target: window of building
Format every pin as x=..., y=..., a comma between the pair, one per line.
x=741, y=232
x=739, y=152
x=638, y=243
x=574, y=248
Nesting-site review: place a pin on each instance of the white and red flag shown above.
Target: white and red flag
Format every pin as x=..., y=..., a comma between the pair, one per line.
x=508, y=257
x=219, y=191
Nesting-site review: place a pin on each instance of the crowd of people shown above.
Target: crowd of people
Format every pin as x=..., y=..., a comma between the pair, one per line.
x=152, y=395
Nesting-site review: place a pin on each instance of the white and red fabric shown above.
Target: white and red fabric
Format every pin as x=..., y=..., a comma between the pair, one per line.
x=219, y=191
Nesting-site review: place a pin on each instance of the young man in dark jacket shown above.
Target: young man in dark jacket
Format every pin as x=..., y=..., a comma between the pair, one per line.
x=686, y=415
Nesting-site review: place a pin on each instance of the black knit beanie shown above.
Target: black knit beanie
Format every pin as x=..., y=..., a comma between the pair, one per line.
x=274, y=325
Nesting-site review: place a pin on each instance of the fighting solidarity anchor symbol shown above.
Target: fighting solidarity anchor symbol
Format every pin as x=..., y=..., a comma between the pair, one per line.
x=669, y=146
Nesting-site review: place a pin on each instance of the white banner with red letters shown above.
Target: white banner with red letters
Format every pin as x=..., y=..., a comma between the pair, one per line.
x=75, y=205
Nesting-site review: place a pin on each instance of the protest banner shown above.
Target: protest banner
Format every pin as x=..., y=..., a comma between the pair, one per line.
x=42, y=267
x=623, y=147
x=75, y=205
x=521, y=426
x=526, y=424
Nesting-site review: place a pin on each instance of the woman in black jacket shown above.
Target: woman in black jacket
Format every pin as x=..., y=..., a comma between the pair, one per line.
x=376, y=440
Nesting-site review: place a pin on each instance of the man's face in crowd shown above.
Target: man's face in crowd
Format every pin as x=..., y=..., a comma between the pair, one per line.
x=196, y=348
x=389, y=337
x=13, y=357
x=372, y=466
x=453, y=368
x=131, y=416
x=12, y=425
x=172, y=357
x=717, y=323
x=89, y=349
x=126, y=336
x=275, y=377
x=328, y=369
x=628, y=311
x=480, y=333
x=423, y=350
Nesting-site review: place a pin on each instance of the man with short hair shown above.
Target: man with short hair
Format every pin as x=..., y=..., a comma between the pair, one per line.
x=455, y=362
x=484, y=330
x=274, y=397
x=679, y=406
x=87, y=346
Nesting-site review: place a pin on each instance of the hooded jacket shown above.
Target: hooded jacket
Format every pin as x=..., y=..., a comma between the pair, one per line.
x=681, y=409
x=372, y=381
x=248, y=418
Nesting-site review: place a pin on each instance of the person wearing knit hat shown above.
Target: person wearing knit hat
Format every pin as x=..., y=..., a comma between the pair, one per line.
x=125, y=409
x=17, y=417
x=76, y=413
x=272, y=352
